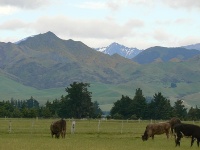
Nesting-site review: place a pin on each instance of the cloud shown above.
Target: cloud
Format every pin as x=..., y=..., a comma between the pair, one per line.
x=189, y=40
x=6, y=10
x=135, y=23
x=113, y=5
x=13, y=25
x=24, y=4
x=160, y=35
x=92, y=5
x=84, y=28
x=187, y=4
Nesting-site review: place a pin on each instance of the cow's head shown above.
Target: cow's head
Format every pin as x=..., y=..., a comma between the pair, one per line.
x=145, y=136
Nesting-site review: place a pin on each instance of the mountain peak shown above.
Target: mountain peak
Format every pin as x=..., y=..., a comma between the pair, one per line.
x=48, y=35
x=115, y=48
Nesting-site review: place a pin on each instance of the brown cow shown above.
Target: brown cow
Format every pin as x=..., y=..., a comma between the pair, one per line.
x=173, y=121
x=156, y=129
x=57, y=128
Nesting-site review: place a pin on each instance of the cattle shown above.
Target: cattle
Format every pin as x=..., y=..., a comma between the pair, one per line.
x=189, y=130
x=58, y=128
x=156, y=129
x=173, y=121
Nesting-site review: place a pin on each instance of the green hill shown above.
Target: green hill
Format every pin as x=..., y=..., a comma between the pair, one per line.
x=164, y=54
x=44, y=65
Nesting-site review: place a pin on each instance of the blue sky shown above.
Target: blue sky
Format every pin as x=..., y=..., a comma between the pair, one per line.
x=97, y=23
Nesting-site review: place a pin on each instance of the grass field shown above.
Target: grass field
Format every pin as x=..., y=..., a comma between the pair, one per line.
x=34, y=134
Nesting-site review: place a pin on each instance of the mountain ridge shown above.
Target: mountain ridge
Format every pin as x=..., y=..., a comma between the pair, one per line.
x=45, y=62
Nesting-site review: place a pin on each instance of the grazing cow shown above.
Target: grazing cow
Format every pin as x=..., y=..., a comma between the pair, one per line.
x=57, y=128
x=173, y=121
x=190, y=130
x=156, y=129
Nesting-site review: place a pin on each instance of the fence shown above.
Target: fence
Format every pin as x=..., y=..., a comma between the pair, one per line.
x=83, y=126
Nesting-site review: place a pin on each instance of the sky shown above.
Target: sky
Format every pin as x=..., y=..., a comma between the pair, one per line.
x=98, y=23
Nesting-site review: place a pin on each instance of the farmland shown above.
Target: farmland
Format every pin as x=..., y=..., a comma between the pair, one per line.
x=34, y=134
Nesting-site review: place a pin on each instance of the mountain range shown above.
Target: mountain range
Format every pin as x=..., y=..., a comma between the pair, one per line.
x=43, y=65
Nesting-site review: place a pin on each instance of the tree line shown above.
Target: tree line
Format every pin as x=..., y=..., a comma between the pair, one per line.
x=78, y=104
x=158, y=107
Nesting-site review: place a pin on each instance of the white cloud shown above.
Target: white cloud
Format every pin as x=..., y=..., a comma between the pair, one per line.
x=187, y=4
x=13, y=25
x=113, y=5
x=25, y=4
x=92, y=5
x=189, y=40
x=161, y=35
x=7, y=10
x=83, y=28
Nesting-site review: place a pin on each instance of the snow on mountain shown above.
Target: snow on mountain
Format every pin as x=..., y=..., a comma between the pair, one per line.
x=122, y=50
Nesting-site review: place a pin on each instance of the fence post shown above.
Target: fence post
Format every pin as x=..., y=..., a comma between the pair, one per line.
x=32, y=126
x=99, y=126
x=73, y=127
x=122, y=126
x=10, y=127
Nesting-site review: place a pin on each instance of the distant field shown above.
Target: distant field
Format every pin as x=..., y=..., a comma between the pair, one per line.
x=34, y=134
x=105, y=94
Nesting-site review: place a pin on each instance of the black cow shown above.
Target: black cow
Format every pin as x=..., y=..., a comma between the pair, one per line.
x=190, y=130
x=57, y=128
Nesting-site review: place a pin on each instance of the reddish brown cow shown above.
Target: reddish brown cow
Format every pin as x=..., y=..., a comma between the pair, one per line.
x=173, y=121
x=57, y=128
x=156, y=129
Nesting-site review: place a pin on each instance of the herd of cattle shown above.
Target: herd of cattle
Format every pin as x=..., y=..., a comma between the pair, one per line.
x=178, y=128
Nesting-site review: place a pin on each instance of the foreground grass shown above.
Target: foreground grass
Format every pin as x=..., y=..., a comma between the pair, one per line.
x=31, y=134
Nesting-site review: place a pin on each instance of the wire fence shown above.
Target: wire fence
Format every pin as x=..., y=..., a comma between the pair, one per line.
x=76, y=126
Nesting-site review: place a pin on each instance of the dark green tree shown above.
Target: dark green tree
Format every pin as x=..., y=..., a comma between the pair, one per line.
x=179, y=110
x=96, y=112
x=194, y=113
x=122, y=108
x=160, y=107
x=139, y=104
x=79, y=100
x=32, y=103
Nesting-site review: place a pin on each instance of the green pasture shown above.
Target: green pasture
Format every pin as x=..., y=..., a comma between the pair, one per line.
x=34, y=134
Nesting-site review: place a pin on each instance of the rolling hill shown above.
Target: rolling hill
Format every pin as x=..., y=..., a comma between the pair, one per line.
x=164, y=54
x=42, y=66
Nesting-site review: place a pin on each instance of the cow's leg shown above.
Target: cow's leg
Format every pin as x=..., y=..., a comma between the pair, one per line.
x=192, y=140
x=167, y=134
x=52, y=134
x=198, y=142
x=152, y=137
x=177, y=141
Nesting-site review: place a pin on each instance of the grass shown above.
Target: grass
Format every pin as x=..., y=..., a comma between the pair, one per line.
x=104, y=94
x=34, y=134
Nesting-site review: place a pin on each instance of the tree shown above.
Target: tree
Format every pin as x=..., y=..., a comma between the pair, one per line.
x=122, y=107
x=96, y=112
x=194, y=113
x=159, y=107
x=32, y=103
x=139, y=104
x=79, y=99
x=179, y=109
